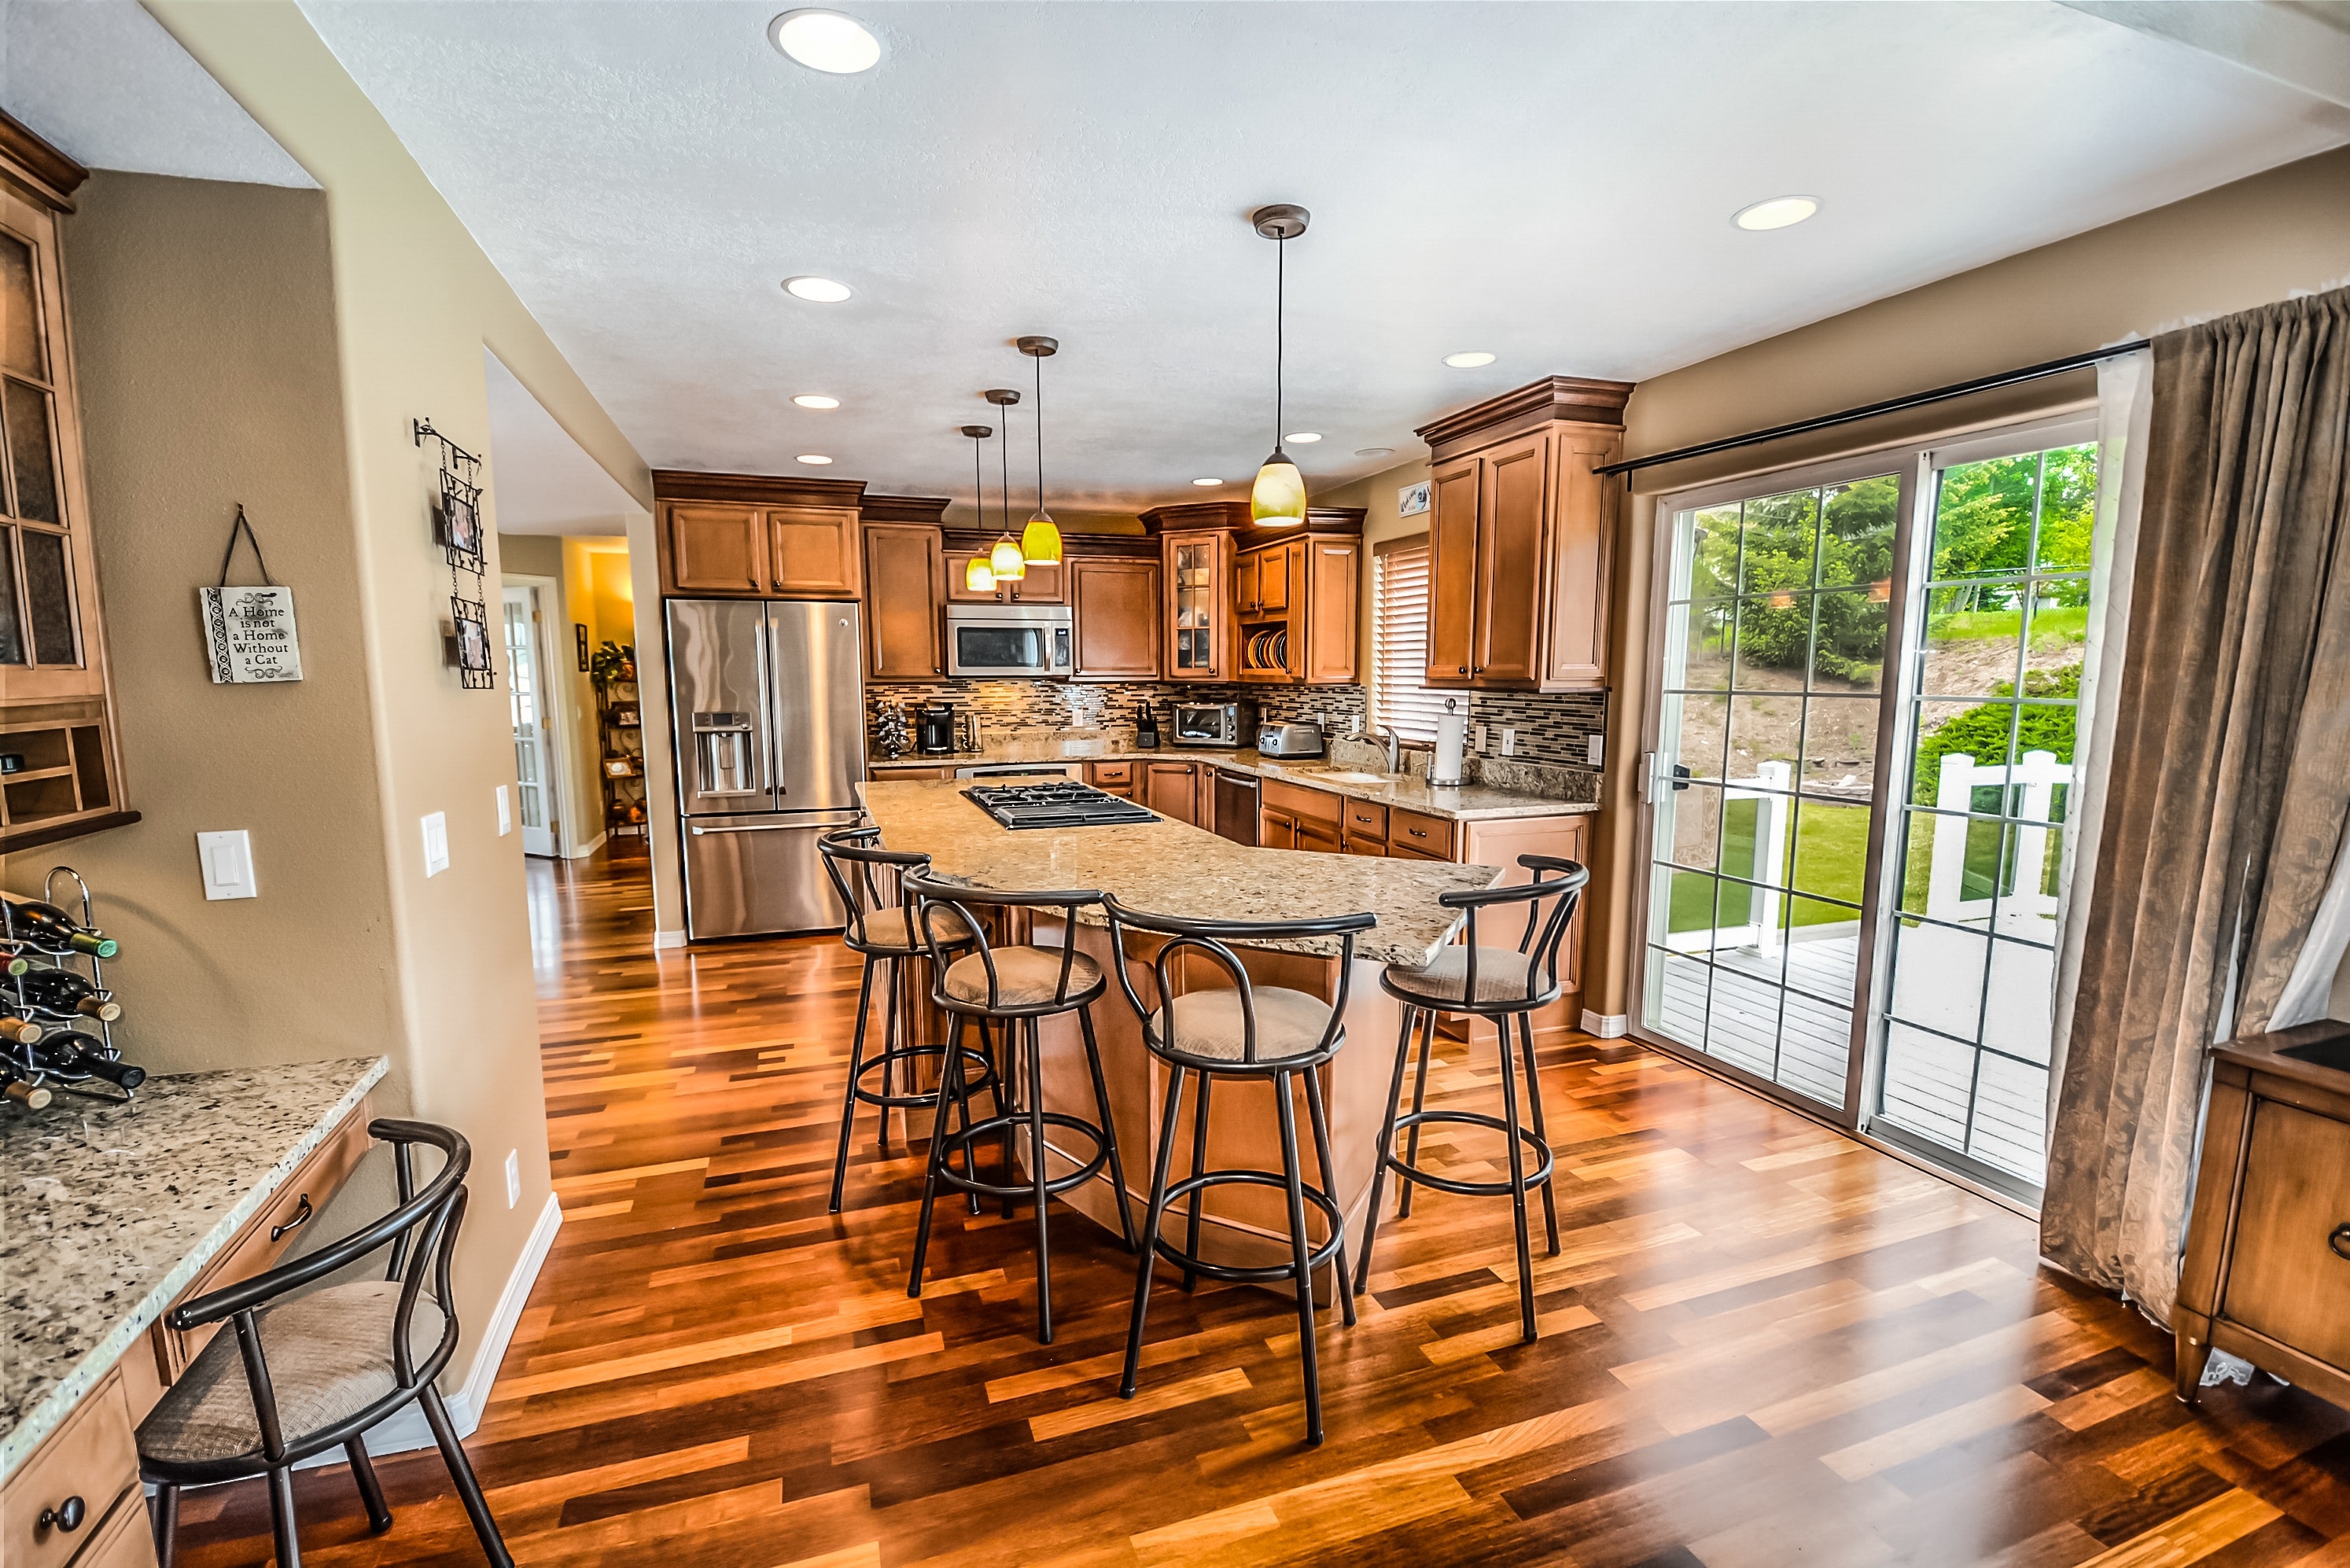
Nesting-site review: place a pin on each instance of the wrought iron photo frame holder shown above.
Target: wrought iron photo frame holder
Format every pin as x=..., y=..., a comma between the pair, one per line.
x=457, y=527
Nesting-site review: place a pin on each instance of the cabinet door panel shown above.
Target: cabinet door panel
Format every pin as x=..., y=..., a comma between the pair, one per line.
x=1575, y=650
x=1172, y=789
x=1332, y=610
x=1510, y=584
x=1244, y=576
x=905, y=571
x=1319, y=836
x=815, y=551
x=1114, y=603
x=1275, y=578
x=1276, y=829
x=2285, y=1279
x=1452, y=573
x=1197, y=614
x=715, y=548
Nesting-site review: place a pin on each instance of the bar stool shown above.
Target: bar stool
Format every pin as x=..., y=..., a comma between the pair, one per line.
x=884, y=933
x=1269, y=1033
x=1502, y=985
x=1012, y=987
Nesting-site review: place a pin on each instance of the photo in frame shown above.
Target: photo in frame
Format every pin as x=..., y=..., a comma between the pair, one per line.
x=474, y=659
x=580, y=635
x=1411, y=500
x=460, y=516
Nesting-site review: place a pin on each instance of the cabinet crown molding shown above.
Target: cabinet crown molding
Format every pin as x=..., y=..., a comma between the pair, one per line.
x=45, y=172
x=755, y=489
x=1573, y=398
x=1233, y=517
x=930, y=509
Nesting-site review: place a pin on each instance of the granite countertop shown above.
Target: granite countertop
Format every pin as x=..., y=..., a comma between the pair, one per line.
x=1174, y=868
x=1467, y=803
x=108, y=1211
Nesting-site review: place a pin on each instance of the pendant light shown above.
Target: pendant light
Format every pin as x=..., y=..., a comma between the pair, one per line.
x=1278, y=498
x=1040, y=542
x=1004, y=559
x=977, y=575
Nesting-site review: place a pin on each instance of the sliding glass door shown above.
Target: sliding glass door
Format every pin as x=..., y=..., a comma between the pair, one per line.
x=1862, y=757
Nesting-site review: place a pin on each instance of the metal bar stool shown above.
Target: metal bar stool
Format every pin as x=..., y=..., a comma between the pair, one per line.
x=1502, y=985
x=1242, y=1029
x=883, y=931
x=1012, y=987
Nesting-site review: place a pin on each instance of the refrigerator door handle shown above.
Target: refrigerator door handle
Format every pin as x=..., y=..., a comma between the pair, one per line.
x=697, y=831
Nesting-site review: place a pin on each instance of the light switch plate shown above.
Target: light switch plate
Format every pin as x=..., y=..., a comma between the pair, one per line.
x=506, y=812
x=1509, y=742
x=1594, y=750
x=436, y=843
x=514, y=1177
x=227, y=862
x=1480, y=745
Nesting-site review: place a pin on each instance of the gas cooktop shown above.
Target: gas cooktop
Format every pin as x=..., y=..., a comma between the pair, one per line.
x=1060, y=804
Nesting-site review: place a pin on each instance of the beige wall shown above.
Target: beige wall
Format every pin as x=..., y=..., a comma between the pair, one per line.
x=1377, y=495
x=2240, y=245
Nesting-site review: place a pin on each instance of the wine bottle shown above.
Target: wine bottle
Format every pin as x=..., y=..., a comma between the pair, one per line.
x=49, y=928
x=32, y=1097
x=66, y=993
x=73, y=1056
x=13, y=959
x=23, y=1031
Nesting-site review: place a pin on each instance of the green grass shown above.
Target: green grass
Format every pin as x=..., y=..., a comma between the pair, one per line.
x=2063, y=624
x=1828, y=844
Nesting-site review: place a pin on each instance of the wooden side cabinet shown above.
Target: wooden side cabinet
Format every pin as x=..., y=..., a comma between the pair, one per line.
x=2267, y=1274
x=1114, y=601
x=905, y=590
x=752, y=535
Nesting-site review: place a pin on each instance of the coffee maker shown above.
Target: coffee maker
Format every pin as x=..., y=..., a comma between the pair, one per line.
x=934, y=731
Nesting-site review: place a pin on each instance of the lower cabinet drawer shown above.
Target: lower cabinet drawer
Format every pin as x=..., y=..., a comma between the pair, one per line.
x=91, y=1462
x=1105, y=775
x=126, y=1540
x=1366, y=821
x=1419, y=833
x=1303, y=803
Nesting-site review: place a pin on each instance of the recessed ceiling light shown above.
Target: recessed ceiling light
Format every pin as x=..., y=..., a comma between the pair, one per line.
x=1468, y=361
x=818, y=290
x=1304, y=437
x=1207, y=482
x=1778, y=212
x=1375, y=451
x=826, y=41
x=817, y=458
x=816, y=401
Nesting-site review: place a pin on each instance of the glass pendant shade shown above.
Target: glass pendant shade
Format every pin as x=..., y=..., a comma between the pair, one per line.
x=1278, y=498
x=1006, y=561
x=978, y=577
x=1040, y=542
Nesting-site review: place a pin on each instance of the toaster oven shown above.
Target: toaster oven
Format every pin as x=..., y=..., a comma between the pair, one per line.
x=1232, y=725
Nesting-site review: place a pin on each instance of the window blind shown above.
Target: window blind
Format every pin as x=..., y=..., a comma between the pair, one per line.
x=1400, y=640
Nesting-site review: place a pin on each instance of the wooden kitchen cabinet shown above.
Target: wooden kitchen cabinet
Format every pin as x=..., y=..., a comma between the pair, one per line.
x=905, y=591
x=751, y=536
x=1040, y=585
x=1172, y=789
x=92, y=1456
x=1519, y=535
x=815, y=551
x=1112, y=778
x=716, y=549
x=1298, y=624
x=1201, y=600
x=1114, y=601
x=2268, y=1247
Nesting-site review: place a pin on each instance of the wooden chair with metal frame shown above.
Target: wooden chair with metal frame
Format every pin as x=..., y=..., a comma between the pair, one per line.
x=1502, y=985
x=1013, y=987
x=319, y=1371
x=881, y=929
x=1270, y=1032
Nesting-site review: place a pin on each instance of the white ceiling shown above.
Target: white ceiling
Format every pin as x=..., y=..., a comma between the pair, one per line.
x=541, y=482
x=102, y=81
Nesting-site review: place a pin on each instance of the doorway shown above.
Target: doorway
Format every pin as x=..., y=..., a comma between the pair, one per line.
x=535, y=742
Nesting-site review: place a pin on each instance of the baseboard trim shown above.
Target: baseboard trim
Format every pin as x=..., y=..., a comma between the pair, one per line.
x=668, y=940
x=1606, y=1025
x=406, y=1431
x=581, y=852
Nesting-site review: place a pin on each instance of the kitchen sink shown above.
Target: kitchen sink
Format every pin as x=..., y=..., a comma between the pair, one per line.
x=1337, y=776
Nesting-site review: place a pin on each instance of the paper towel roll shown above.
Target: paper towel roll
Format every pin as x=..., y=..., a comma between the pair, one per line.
x=1452, y=739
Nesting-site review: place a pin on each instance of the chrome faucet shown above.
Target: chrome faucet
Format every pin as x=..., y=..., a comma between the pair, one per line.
x=1395, y=748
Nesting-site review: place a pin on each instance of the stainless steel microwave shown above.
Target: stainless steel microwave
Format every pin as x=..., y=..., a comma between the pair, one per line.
x=1229, y=724
x=1010, y=639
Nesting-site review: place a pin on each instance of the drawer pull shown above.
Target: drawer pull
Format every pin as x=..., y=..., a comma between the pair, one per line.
x=2340, y=1240
x=1415, y=833
x=65, y=1517
x=302, y=1216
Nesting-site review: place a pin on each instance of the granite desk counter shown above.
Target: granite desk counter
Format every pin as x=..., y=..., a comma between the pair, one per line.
x=109, y=1213
x=1172, y=867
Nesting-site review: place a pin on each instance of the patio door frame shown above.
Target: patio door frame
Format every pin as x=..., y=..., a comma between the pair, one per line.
x=1904, y=462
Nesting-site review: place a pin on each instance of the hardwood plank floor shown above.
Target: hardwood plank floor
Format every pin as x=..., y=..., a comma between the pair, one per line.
x=1763, y=1344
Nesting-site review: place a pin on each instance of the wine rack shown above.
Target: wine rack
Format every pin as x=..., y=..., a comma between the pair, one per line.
x=33, y=1069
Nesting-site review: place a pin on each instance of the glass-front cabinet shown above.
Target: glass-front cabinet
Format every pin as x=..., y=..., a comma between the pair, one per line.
x=58, y=774
x=1199, y=635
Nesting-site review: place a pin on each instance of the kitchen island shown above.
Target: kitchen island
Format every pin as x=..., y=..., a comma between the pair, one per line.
x=1171, y=867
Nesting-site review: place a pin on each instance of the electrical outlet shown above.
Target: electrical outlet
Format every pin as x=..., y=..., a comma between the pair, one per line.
x=436, y=843
x=514, y=1177
x=1594, y=750
x=1480, y=743
x=506, y=812
x=1509, y=742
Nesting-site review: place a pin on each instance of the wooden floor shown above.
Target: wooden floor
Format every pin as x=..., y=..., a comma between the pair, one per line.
x=1763, y=1345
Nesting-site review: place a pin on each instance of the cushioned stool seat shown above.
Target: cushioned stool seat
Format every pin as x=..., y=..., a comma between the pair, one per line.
x=1212, y=1024
x=1025, y=977
x=330, y=1356
x=888, y=929
x=1503, y=975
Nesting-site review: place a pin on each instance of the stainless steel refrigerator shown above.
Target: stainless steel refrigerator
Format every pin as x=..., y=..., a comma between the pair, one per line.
x=767, y=698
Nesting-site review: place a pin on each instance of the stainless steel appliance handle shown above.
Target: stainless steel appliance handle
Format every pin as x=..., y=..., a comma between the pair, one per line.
x=697, y=831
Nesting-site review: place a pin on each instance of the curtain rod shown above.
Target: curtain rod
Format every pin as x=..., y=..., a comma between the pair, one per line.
x=1869, y=411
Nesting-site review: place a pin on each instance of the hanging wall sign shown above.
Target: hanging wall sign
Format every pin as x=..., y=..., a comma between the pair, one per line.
x=249, y=634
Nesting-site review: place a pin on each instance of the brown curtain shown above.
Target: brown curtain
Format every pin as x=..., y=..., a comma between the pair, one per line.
x=2231, y=757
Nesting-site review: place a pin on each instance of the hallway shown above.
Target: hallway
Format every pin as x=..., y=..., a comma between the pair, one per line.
x=1763, y=1344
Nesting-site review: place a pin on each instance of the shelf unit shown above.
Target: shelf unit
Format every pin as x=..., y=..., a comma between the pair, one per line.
x=620, y=737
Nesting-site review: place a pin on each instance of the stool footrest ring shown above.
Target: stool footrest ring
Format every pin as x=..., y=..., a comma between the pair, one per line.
x=984, y=1078
x=1252, y=1274
x=1536, y=1175
x=1018, y=1121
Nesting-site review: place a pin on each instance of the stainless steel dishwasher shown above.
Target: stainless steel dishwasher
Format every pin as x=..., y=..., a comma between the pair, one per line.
x=1236, y=806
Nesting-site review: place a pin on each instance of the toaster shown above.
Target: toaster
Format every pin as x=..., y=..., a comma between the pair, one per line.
x=1289, y=740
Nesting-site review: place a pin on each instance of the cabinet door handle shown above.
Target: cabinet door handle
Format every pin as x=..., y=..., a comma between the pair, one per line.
x=303, y=1215
x=2340, y=1240
x=1464, y=669
x=66, y=1518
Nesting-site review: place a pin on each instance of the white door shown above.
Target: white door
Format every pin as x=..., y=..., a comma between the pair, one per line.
x=534, y=738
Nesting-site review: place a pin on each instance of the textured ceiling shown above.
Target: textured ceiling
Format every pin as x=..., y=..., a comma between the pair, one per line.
x=103, y=81
x=540, y=480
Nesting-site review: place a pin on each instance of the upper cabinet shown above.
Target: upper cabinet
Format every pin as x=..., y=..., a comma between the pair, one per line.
x=756, y=536
x=57, y=719
x=905, y=585
x=1519, y=535
x=1037, y=586
x=1197, y=567
x=1265, y=606
x=1114, y=602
